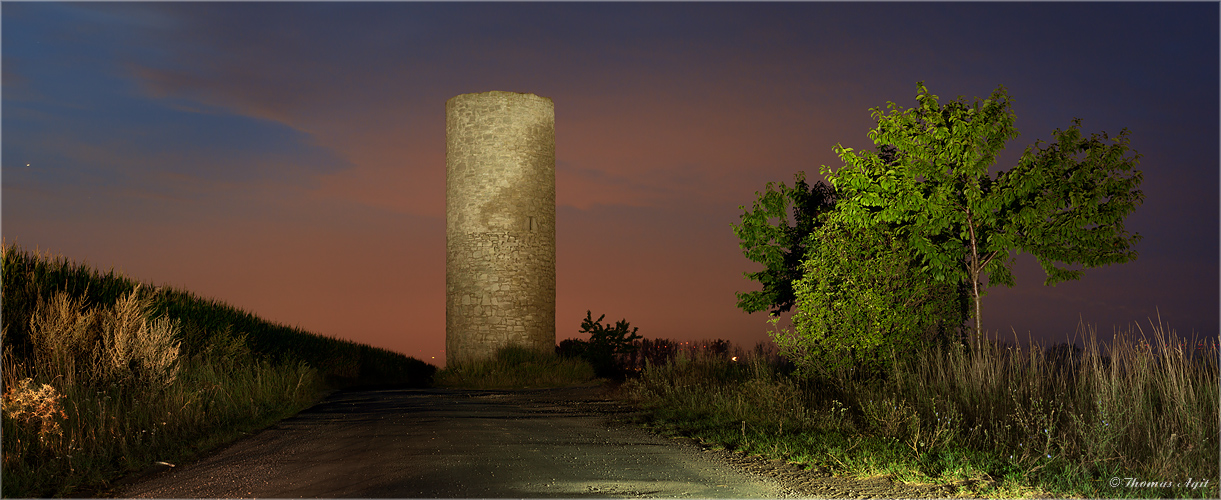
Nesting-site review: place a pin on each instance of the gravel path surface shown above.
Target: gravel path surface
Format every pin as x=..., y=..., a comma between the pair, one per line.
x=448, y=443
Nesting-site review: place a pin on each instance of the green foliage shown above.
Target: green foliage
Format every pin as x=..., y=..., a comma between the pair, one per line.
x=864, y=299
x=768, y=237
x=1064, y=208
x=963, y=223
x=605, y=346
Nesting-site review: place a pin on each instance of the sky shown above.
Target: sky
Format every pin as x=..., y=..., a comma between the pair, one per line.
x=289, y=158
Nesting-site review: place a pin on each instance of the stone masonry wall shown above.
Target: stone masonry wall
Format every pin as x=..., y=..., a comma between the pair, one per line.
x=499, y=224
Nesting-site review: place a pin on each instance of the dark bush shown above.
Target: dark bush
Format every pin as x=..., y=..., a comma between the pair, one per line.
x=606, y=348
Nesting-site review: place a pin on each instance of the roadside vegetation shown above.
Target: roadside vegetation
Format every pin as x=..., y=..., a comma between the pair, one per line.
x=991, y=418
x=608, y=355
x=886, y=369
x=104, y=376
x=516, y=367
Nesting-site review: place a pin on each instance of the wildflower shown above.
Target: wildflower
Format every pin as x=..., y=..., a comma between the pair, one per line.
x=38, y=408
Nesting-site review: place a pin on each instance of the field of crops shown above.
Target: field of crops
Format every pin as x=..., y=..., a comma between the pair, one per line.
x=104, y=375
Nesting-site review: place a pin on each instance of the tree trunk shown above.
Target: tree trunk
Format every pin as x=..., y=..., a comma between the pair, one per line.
x=973, y=268
x=978, y=318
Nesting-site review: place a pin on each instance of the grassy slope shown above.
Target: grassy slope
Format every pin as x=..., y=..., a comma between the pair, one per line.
x=29, y=277
x=104, y=376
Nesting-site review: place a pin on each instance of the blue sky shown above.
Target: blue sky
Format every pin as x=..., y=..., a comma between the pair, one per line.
x=288, y=158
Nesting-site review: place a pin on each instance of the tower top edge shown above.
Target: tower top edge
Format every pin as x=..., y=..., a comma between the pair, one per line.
x=499, y=93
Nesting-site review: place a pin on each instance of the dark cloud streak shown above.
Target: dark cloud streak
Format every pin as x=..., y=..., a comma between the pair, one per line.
x=241, y=123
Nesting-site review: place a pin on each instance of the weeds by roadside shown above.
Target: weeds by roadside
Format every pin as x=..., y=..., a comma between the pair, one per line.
x=991, y=418
x=106, y=392
x=103, y=376
x=515, y=367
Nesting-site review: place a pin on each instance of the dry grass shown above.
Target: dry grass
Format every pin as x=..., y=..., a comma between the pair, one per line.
x=1002, y=417
x=134, y=349
x=107, y=392
x=94, y=392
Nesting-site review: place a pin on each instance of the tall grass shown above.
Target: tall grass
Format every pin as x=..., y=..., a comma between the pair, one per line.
x=106, y=392
x=991, y=418
x=103, y=376
x=515, y=367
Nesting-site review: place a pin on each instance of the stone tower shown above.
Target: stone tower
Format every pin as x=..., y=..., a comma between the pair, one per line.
x=499, y=224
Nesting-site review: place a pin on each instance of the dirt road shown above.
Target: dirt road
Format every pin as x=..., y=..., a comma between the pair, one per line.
x=475, y=444
x=434, y=443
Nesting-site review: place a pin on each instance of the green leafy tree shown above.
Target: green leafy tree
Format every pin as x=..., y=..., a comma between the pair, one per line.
x=771, y=237
x=864, y=298
x=1064, y=202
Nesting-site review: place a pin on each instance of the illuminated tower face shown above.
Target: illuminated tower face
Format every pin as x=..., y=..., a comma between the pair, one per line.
x=499, y=224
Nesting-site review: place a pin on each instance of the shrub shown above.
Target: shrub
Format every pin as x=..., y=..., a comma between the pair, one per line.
x=606, y=346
